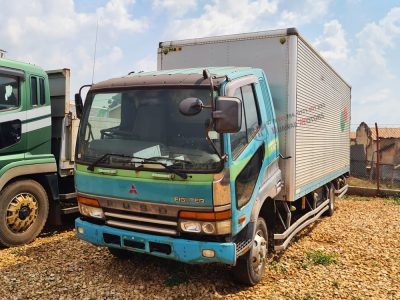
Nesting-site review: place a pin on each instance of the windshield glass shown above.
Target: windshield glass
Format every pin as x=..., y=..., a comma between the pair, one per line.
x=147, y=124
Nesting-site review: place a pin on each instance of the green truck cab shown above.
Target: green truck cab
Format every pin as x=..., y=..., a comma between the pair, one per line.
x=34, y=183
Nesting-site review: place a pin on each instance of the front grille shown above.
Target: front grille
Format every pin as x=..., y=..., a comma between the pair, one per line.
x=141, y=222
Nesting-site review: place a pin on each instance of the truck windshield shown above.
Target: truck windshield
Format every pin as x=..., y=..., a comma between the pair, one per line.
x=147, y=124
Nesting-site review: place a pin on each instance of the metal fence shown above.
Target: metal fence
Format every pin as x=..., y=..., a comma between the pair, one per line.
x=374, y=162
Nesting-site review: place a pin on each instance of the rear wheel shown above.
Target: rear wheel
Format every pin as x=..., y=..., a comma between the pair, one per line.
x=24, y=209
x=251, y=266
x=120, y=253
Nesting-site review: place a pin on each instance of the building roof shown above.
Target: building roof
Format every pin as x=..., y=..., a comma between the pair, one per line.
x=352, y=135
x=386, y=133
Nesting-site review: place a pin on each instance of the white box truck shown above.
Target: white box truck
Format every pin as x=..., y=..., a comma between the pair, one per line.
x=233, y=138
x=311, y=100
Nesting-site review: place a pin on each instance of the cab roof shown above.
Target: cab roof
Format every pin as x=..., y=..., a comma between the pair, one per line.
x=25, y=67
x=177, y=77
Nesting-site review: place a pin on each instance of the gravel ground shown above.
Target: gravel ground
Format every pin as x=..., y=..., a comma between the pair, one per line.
x=353, y=255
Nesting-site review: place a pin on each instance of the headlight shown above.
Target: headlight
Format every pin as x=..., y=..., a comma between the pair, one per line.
x=216, y=223
x=208, y=227
x=216, y=228
x=191, y=226
x=91, y=211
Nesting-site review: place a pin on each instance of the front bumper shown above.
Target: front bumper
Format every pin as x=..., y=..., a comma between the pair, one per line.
x=188, y=251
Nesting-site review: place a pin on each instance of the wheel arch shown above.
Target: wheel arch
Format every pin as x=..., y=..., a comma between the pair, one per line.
x=32, y=171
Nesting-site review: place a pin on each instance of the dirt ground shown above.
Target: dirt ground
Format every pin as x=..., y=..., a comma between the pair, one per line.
x=353, y=255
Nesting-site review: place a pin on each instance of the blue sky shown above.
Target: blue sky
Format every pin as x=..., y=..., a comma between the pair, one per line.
x=359, y=38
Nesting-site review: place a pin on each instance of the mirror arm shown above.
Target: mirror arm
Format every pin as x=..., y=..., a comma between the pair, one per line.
x=82, y=87
x=221, y=157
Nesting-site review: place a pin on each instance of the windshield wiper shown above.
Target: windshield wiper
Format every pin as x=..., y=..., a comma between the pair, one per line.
x=151, y=162
x=175, y=160
x=103, y=157
x=139, y=160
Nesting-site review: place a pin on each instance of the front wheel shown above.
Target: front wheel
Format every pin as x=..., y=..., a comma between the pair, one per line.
x=24, y=208
x=251, y=266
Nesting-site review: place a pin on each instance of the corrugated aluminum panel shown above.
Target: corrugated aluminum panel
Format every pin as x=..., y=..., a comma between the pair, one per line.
x=323, y=121
x=299, y=79
x=258, y=50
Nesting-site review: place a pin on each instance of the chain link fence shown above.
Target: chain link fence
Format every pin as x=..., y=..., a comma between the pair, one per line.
x=375, y=158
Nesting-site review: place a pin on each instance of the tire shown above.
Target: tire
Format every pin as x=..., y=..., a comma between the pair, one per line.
x=24, y=208
x=250, y=267
x=332, y=201
x=120, y=253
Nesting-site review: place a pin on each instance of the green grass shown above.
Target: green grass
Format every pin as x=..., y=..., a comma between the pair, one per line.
x=320, y=258
x=280, y=267
x=17, y=252
x=361, y=182
x=396, y=201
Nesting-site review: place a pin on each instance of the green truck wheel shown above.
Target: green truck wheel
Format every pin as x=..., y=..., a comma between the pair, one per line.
x=23, y=212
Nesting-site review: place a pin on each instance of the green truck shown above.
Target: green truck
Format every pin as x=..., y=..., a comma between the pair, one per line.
x=37, y=147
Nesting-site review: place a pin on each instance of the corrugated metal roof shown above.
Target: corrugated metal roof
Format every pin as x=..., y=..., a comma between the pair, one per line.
x=386, y=133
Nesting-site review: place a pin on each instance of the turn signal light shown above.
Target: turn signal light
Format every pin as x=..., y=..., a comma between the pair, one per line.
x=88, y=201
x=212, y=216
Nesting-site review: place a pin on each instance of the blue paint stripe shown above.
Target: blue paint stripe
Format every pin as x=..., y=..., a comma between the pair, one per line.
x=146, y=190
x=320, y=182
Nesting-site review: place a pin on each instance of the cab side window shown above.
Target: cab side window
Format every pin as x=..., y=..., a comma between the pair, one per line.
x=250, y=120
x=34, y=96
x=42, y=96
x=38, y=96
x=9, y=92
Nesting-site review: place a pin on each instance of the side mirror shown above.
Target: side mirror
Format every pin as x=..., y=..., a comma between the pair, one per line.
x=190, y=106
x=78, y=105
x=79, y=102
x=227, y=115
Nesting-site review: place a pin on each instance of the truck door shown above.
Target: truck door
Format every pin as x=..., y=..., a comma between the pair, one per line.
x=247, y=149
x=12, y=116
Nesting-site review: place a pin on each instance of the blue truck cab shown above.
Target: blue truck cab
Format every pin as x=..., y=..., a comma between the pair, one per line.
x=185, y=164
x=214, y=164
x=150, y=179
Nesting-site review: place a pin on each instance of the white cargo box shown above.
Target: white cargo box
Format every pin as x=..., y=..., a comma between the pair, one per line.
x=312, y=102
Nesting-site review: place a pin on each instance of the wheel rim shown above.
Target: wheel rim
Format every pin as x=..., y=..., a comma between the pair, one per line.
x=21, y=212
x=259, y=252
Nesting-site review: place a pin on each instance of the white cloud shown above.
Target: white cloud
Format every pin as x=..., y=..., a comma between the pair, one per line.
x=375, y=40
x=148, y=63
x=368, y=68
x=303, y=12
x=223, y=17
x=332, y=43
x=174, y=7
x=227, y=17
x=53, y=34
